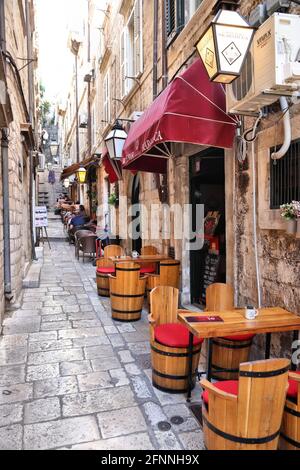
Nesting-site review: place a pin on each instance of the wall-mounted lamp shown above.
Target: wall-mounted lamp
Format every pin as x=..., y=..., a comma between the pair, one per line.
x=67, y=183
x=115, y=141
x=81, y=175
x=224, y=45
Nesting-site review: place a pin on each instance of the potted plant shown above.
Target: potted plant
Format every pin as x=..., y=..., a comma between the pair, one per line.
x=296, y=205
x=288, y=212
x=113, y=200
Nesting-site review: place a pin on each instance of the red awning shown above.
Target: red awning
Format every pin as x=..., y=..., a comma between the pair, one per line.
x=112, y=167
x=190, y=110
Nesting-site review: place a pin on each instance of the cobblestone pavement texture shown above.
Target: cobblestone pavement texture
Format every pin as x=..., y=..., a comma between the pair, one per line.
x=72, y=378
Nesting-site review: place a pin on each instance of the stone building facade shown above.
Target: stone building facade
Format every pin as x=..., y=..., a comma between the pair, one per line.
x=118, y=94
x=17, y=26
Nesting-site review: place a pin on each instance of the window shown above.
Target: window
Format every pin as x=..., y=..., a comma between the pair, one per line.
x=285, y=177
x=131, y=54
x=106, y=98
x=178, y=14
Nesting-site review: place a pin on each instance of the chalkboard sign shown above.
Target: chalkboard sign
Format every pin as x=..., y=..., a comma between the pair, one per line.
x=211, y=267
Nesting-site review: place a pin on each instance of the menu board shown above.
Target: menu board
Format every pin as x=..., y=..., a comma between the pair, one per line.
x=211, y=267
x=41, y=217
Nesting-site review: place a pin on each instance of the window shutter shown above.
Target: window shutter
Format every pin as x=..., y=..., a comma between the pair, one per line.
x=123, y=63
x=170, y=15
x=138, y=38
x=180, y=15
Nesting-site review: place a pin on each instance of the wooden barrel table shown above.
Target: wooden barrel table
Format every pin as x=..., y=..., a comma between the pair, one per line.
x=228, y=355
x=127, y=291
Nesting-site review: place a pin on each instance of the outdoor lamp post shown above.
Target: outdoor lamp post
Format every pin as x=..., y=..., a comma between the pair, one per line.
x=67, y=183
x=81, y=175
x=224, y=45
x=115, y=141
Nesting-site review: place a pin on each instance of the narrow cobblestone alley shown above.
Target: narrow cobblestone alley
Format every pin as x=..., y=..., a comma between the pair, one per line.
x=70, y=377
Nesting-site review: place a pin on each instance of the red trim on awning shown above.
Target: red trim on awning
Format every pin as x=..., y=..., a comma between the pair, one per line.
x=190, y=110
x=112, y=168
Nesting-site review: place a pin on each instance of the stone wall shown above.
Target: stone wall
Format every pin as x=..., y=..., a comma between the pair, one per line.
x=19, y=171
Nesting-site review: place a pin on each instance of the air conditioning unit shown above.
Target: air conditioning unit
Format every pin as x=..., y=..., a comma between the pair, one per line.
x=83, y=121
x=271, y=69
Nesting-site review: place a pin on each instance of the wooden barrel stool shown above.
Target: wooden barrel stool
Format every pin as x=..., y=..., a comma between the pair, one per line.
x=169, y=343
x=106, y=267
x=290, y=429
x=228, y=354
x=127, y=291
x=169, y=275
x=246, y=414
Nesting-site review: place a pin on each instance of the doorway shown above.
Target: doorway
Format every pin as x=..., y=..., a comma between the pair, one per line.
x=207, y=187
x=136, y=218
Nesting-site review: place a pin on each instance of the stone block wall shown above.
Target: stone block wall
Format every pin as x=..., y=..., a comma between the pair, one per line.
x=19, y=171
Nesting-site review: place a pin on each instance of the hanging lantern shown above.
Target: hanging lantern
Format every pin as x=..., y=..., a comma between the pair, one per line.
x=81, y=175
x=67, y=183
x=224, y=45
x=115, y=141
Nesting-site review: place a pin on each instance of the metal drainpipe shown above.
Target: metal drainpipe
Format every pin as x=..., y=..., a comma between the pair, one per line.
x=155, y=47
x=5, y=181
x=6, y=217
x=164, y=52
x=31, y=105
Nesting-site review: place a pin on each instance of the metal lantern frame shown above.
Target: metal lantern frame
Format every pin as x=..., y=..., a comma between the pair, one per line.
x=212, y=59
x=115, y=141
x=81, y=175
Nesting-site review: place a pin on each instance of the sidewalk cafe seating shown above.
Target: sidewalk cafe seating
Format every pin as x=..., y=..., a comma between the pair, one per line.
x=169, y=343
x=169, y=274
x=87, y=245
x=78, y=235
x=127, y=291
x=228, y=352
x=246, y=414
x=290, y=429
x=105, y=267
x=149, y=268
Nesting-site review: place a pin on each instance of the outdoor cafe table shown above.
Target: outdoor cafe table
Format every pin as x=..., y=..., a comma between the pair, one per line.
x=268, y=321
x=140, y=260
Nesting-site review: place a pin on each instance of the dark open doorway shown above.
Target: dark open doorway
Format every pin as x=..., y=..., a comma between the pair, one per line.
x=207, y=187
x=136, y=219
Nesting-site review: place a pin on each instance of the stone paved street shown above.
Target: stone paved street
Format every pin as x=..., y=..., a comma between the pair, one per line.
x=72, y=378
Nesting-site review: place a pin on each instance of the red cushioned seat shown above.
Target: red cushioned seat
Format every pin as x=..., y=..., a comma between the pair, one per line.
x=229, y=386
x=174, y=335
x=293, y=387
x=240, y=337
x=106, y=270
x=147, y=270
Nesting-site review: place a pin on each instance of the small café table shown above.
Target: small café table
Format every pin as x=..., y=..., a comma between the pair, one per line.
x=142, y=259
x=233, y=322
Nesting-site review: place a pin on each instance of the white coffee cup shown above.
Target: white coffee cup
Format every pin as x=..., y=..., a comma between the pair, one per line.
x=135, y=254
x=250, y=313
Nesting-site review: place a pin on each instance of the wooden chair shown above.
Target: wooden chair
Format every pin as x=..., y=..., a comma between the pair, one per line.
x=290, y=429
x=169, y=273
x=127, y=291
x=105, y=267
x=149, y=268
x=228, y=352
x=169, y=343
x=78, y=235
x=246, y=414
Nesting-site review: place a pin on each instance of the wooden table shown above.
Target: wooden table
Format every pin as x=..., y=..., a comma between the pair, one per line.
x=268, y=321
x=140, y=260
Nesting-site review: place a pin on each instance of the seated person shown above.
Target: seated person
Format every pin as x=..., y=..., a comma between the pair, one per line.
x=79, y=219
